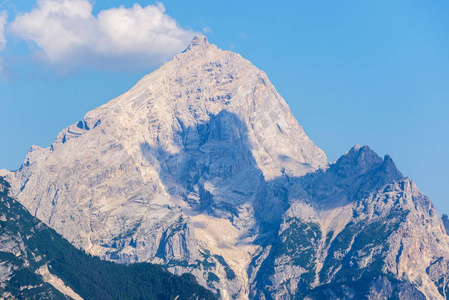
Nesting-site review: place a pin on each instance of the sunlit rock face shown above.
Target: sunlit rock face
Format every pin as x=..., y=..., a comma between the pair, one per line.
x=202, y=167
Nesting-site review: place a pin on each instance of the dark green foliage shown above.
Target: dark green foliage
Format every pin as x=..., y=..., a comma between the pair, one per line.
x=24, y=283
x=359, y=289
x=38, y=289
x=96, y=279
x=299, y=241
x=357, y=238
x=88, y=276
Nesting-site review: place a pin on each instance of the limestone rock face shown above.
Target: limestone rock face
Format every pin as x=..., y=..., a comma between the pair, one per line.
x=203, y=134
x=202, y=167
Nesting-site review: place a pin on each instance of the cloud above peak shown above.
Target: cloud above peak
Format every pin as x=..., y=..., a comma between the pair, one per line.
x=3, y=18
x=67, y=34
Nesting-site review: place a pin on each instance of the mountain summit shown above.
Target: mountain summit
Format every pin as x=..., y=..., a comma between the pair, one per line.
x=202, y=167
x=198, y=43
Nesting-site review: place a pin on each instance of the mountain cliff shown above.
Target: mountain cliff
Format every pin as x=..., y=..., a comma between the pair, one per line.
x=202, y=167
x=37, y=263
x=357, y=230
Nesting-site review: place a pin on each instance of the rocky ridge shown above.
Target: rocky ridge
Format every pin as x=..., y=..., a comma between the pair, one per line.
x=354, y=230
x=202, y=167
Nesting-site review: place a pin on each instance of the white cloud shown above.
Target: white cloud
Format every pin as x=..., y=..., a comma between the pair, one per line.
x=68, y=34
x=3, y=18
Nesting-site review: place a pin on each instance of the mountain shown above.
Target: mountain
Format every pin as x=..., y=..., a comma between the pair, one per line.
x=37, y=263
x=174, y=169
x=202, y=167
x=357, y=230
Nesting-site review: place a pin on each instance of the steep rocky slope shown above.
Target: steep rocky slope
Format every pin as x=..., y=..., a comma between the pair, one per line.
x=202, y=167
x=359, y=229
x=37, y=263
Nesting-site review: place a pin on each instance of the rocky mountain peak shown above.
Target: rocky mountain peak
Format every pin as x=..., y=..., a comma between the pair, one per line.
x=195, y=151
x=362, y=153
x=390, y=167
x=365, y=159
x=195, y=88
x=359, y=160
x=199, y=42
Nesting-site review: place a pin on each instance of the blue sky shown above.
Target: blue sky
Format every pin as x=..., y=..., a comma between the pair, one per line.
x=353, y=72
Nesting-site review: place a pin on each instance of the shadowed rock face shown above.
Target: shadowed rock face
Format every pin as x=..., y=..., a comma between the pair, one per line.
x=202, y=167
x=445, y=220
x=355, y=227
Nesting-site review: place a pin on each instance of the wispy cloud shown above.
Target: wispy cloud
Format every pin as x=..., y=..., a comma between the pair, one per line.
x=207, y=30
x=3, y=18
x=67, y=34
x=243, y=35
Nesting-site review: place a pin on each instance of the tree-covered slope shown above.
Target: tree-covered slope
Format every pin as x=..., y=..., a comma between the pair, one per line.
x=31, y=253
